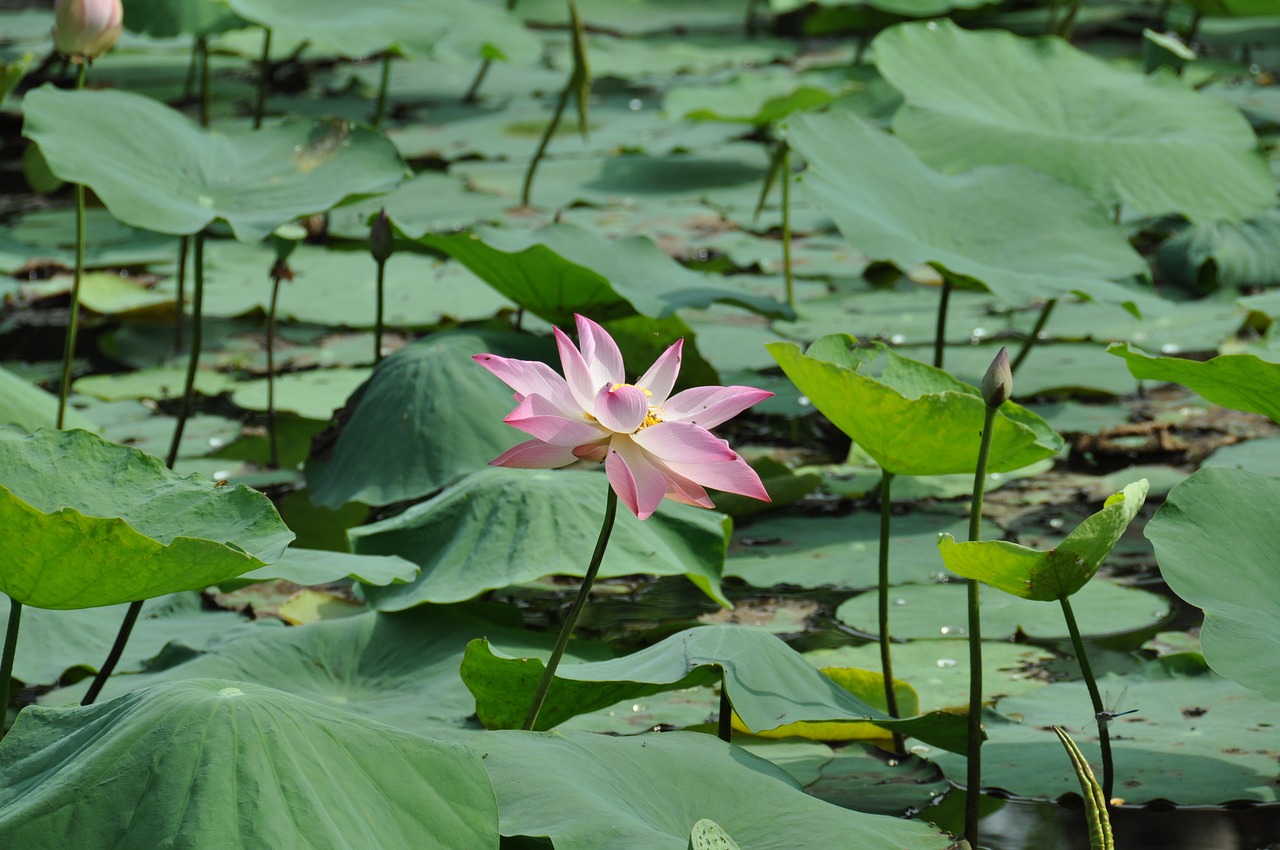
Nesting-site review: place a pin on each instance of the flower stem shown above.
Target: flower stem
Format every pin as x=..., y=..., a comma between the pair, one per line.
x=381, y=306
x=73, y=321
x=179, y=332
x=886, y=663
x=384, y=83
x=203, y=45
x=113, y=657
x=473, y=90
x=973, y=777
x=1104, y=734
x=272, y=438
x=1030, y=342
x=193, y=359
x=725, y=726
x=940, y=333
x=786, y=224
x=264, y=75
x=527, y=189
x=571, y=620
x=6, y=661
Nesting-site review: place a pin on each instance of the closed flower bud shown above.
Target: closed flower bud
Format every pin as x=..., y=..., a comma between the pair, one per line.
x=997, y=384
x=83, y=30
x=381, y=242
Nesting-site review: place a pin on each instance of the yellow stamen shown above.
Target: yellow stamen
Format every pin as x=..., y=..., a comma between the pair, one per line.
x=617, y=387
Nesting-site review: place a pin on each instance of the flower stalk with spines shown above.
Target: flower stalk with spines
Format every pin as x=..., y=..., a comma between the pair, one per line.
x=283, y=240
x=654, y=445
x=997, y=387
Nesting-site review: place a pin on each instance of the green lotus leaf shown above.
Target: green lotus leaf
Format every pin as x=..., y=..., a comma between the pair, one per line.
x=426, y=417
x=411, y=27
x=1054, y=574
x=399, y=669
x=564, y=269
x=315, y=566
x=1239, y=381
x=769, y=684
x=93, y=523
x=216, y=763
x=1225, y=254
x=1147, y=141
x=757, y=98
x=499, y=527
x=27, y=406
x=1213, y=538
x=649, y=791
x=1053, y=239
x=168, y=18
x=155, y=169
x=915, y=419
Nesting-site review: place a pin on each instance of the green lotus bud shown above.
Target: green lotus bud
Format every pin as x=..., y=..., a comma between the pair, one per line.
x=997, y=384
x=381, y=242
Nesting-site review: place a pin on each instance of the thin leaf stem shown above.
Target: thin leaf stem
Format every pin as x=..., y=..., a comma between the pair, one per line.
x=179, y=332
x=73, y=320
x=725, y=725
x=785, y=176
x=384, y=83
x=940, y=332
x=113, y=657
x=204, y=80
x=1030, y=342
x=473, y=90
x=264, y=76
x=6, y=661
x=380, y=308
x=526, y=190
x=272, y=438
x=1086, y=670
x=193, y=358
x=575, y=611
x=886, y=661
x=973, y=773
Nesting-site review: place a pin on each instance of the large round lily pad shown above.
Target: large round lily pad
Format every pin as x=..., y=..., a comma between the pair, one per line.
x=1216, y=547
x=911, y=418
x=92, y=523
x=215, y=763
x=649, y=791
x=155, y=169
x=1053, y=239
x=499, y=527
x=1149, y=142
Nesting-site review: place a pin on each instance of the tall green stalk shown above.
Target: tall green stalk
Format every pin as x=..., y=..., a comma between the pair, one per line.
x=204, y=80
x=886, y=662
x=73, y=321
x=273, y=440
x=384, y=83
x=997, y=386
x=1030, y=342
x=786, y=224
x=1099, y=712
x=179, y=331
x=193, y=357
x=473, y=90
x=113, y=657
x=264, y=76
x=526, y=188
x=940, y=331
x=6, y=660
x=571, y=619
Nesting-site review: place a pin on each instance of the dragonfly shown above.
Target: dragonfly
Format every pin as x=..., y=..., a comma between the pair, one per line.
x=1107, y=715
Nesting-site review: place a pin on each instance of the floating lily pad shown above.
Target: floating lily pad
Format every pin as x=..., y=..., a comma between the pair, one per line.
x=159, y=384
x=170, y=765
x=421, y=421
x=769, y=684
x=1239, y=381
x=1054, y=574
x=837, y=551
x=398, y=669
x=28, y=407
x=499, y=527
x=938, y=611
x=989, y=98
x=759, y=98
x=49, y=237
x=652, y=789
x=1187, y=726
x=1221, y=517
x=1054, y=240
x=255, y=181
x=314, y=394
x=93, y=523
x=914, y=419
x=313, y=566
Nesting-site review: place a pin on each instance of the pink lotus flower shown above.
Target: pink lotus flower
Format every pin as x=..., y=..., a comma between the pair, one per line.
x=83, y=30
x=654, y=445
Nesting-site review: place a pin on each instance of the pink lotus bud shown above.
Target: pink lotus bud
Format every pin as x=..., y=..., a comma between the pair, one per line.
x=83, y=30
x=997, y=384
